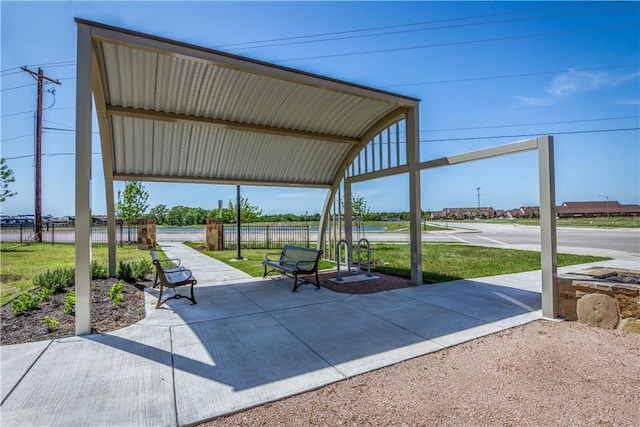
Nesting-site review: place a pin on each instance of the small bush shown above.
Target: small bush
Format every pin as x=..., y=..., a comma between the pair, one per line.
x=23, y=303
x=70, y=303
x=142, y=268
x=115, y=292
x=57, y=280
x=51, y=323
x=44, y=293
x=125, y=271
x=98, y=271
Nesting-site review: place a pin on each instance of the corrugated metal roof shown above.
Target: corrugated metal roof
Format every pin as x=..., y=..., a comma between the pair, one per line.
x=171, y=111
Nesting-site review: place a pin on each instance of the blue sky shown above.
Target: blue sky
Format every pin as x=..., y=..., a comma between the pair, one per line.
x=487, y=73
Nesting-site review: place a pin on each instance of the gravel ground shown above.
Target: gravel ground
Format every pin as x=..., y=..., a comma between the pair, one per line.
x=540, y=374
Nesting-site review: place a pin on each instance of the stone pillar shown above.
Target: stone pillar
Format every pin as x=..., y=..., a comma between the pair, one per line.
x=146, y=233
x=213, y=238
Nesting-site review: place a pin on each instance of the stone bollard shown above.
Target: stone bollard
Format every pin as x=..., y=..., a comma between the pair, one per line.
x=146, y=233
x=214, y=234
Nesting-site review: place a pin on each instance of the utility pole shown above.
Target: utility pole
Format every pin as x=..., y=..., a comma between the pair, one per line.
x=40, y=78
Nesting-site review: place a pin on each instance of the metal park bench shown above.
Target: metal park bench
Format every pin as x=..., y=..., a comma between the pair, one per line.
x=294, y=261
x=172, y=277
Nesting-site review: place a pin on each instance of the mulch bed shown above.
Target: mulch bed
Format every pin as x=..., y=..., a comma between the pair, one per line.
x=105, y=315
x=385, y=282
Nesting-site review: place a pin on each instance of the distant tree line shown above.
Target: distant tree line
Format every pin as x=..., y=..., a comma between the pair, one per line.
x=132, y=204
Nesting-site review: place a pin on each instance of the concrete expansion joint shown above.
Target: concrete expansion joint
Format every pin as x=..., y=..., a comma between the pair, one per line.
x=173, y=377
x=26, y=372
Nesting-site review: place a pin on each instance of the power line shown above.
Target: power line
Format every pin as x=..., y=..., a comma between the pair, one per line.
x=396, y=26
x=17, y=87
x=508, y=76
x=466, y=42
x=533, y=124
x=17, y=137
x=44, y=154
x=446, y=27
x=531, y=135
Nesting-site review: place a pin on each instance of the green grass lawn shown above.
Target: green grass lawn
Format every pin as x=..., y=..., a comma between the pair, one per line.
x=444, y=262
x=440, y=262
x=21, y=263
x=251, y=259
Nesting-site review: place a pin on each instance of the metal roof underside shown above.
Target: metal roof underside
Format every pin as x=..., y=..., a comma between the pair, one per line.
x=175, y=112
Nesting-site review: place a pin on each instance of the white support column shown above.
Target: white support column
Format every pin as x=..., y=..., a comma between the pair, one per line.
x=111, y=226
x=83, y=182
x=413, y=160
x=548, y=238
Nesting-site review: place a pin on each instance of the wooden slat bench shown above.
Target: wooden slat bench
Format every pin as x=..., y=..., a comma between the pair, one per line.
x=172, y=277
x=294, y=261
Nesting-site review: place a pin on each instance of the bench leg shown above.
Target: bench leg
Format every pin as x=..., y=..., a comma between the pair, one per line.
x=193, y=298
x=317, y=281
x=160, y=302
x=295, y=282
x=177, y=295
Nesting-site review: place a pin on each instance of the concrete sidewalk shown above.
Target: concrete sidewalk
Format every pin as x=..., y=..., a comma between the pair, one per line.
x=248, y=341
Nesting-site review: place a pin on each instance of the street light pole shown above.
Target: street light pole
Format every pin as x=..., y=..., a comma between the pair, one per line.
x=478, y=188
x=606, y=197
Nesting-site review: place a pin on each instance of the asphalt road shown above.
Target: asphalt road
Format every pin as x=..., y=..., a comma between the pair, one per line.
x=582, y=241
x=591, y=241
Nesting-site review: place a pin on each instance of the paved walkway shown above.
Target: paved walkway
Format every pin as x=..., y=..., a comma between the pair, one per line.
x=247, y=341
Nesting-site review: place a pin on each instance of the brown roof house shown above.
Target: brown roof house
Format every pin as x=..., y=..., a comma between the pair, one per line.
x=598, y=208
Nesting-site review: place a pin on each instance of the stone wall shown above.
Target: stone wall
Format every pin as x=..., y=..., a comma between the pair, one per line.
x=591, y=297
x=146, y=233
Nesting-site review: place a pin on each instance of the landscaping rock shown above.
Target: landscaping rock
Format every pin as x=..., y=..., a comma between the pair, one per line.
x=598, y=310
x=630, y=325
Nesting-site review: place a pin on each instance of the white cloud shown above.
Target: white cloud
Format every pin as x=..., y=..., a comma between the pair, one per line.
x=540, y=102
x=574, y=82
x=629, y=101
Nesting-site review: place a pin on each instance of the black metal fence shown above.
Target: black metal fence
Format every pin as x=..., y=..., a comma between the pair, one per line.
x=251, y=236
x=266, y=236
x=63, y=233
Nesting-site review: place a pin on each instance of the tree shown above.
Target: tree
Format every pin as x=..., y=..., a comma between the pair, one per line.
x=359, y=207
x=132, y=202
x=176, y=215
x=159, y=212
x=248, y=212
x=6, y=177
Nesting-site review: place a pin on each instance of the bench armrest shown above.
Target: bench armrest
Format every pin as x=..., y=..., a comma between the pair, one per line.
x=272, y=256
x=175, y=262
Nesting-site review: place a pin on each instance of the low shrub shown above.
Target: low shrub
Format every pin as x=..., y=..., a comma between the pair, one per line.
x=125, y=271
x=57, y=280
x=130, y=271
x=115, y=292
x=24, y=303
x=98, y=270
x=51, y=323
x=44, y=293
x=70, y=303
x=142, y=268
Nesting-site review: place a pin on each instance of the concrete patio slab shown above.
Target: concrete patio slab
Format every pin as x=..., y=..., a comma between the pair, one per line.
x=278, y=295
x=212, y=304
x=123, y=378
x=226, y=365
x=248, y=341
x=351, y=339
x=20, y=358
